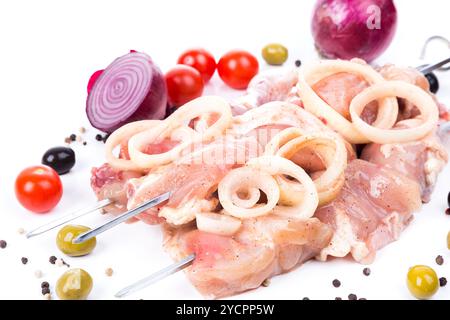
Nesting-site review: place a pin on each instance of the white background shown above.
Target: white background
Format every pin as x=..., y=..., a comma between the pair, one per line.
x=48, y=49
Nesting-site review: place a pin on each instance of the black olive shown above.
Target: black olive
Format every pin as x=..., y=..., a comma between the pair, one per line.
x=448, y=199
x=433, y=81
x=62, y=159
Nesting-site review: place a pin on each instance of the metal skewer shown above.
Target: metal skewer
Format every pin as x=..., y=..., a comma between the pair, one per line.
x=155, y=277
x=123, y=217
x=69, y=217
x=430, y=68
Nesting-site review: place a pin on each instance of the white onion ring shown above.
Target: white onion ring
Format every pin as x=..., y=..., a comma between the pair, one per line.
x=181, y=117
x=329, y=147
x=423, y=101
x=387, y=110
x=250, y=180
x=123, y=134
x=275, y=165
x=216, y=223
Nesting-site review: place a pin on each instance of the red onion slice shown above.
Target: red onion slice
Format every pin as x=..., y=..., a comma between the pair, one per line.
x=131, y=88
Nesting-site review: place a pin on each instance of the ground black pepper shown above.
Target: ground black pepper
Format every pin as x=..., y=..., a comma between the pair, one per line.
x=24, y=260
x=440, y=260
x=336, y=283
x=352, y=296
x=366, y=271
x=442, y=281
x=298, y=63
x=52, y=259
x=3, y=244
x=45, y=290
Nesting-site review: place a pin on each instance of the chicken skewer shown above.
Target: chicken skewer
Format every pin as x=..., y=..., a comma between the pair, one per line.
x=155, y=277
x=69, y=217
x=103, y=203
x=122, y=218
x=102, y=228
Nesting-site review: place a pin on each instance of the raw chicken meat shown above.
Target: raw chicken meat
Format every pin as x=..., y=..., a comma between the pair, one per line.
x=373, y=207
x=420, y=160
x=192, y=180
x=109, y=183
x=262, y=248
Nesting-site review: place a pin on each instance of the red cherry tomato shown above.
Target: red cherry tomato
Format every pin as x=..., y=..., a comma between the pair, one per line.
x=38, y=188
x=184, y=84
x=201, y=60
x=236, y=68
x=92, y=80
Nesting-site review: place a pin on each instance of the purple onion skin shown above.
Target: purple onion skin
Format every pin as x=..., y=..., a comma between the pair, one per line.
x=340, y=28
x=152, y=107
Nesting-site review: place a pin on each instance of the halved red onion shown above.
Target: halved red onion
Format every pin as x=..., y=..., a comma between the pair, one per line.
x=131, y=88
x=93, y=79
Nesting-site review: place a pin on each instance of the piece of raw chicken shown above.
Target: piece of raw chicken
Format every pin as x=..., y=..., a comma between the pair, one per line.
x=262, y=248
x=374, y=206
x=421, y=160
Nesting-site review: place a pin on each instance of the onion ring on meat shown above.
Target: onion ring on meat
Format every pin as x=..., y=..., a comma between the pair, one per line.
x=275, y=165
x=217, y=223
x=180, y=118
x=423, y=101
x=387, y=110
x=249, y=181
x=123, y=134
x=329, y=147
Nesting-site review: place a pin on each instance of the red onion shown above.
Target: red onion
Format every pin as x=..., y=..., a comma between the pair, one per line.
x=131, y=88
x=346, y=29
x=93, y=79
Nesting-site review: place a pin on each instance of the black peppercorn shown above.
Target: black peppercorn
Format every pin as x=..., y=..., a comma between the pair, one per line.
x=24, y=260
x=73, y=137
x=45, y=284
x=440, y=260
x=366, y=271
x=3, y=244
x=298, y=63
x=45, y=290
x=52, y=259
x=336, y=283
x=442, y=282
x=352, y=296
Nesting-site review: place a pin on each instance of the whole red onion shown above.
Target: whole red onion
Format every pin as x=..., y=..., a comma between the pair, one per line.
x=348, y=29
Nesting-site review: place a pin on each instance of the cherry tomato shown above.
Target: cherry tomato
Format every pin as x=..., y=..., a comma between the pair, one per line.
x=201, y=60
x=236, y=68
x=184, y=84
x=38, y=188
x=92, y=80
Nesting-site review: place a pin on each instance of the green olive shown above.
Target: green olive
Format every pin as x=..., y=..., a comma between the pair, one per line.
x=275, y=54
x=74, y=284
x=67, y=234
x=422, y=282
x=448, y=240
